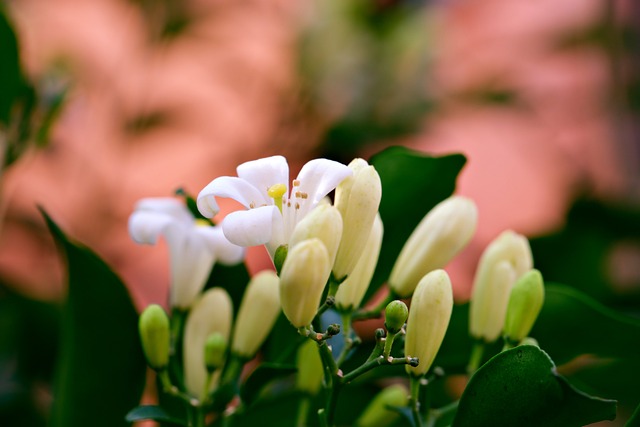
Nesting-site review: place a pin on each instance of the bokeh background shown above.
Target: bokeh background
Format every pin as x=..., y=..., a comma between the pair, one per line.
x=109, y=101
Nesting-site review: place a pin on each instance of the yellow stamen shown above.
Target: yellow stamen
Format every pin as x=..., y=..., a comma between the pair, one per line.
x=276, y=192
x=202, y=223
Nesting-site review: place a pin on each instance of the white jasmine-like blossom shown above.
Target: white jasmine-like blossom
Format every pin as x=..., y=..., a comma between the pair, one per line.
x=194, y=245
x=273, y=208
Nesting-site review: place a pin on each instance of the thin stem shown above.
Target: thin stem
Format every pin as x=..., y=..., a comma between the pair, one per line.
x=348, y=341
x=476, y=357
x=415, y=400
x=303, y=412
x=378, y=361
x=388, y=343
x=169, y=388
x=374, y=312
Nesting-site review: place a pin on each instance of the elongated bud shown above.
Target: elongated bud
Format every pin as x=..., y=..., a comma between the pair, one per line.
x=304, y=275
x=357, y=199
x=525, y=303
x=211, y=313
x=378, y=414
x=429, y=316
x=440, y=236
x=323, y=222
x=215, y=348
x=395, y=315
x=154, y=335
x=310, y=370
x=352, y=290
x=505, y=259
x=258, y=312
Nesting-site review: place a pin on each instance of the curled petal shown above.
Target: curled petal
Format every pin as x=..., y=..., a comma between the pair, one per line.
x=320, y=176
x=228, y=186
x=263, y=173
x=146, y=226
x=224, y=251
x=253, y=227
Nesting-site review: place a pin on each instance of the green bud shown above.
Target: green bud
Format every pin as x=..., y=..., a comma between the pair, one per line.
x=525, y=303
x=431, y=307
x=377, y=413
x=279, y=257
x=395, y=316
x=214, y=351
x=310, y=369
x=154, y=335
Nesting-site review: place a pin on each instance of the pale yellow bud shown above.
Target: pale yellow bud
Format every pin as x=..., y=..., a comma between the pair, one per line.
x=357, y=199
x=505, y=259
x=304, y=275
x=258, y=312
x=154, y=336
x=440, y=236
x=377, y=413
x=429, y=315
x=352, y=290
x=525, y=303
x=323, y=222
x=310, y=369
x=211, y=313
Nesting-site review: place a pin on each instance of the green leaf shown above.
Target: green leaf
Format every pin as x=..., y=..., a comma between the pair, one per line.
x=155, y=413
x=231, y=278
x=520, y=387
x=635, y=418
x=101, y=370
x=280, y=410
x=571, y=324
x=11, y=82
x=261, y=377
x=412, y=184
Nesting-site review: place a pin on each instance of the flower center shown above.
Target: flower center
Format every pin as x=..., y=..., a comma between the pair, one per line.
x=199, y=222
x=276, y=192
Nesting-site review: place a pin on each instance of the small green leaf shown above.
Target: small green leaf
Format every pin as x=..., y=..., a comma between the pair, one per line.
x=263, y=375
x=520, y=387
x=101, y=370
x=412, y=184
x=155, y=413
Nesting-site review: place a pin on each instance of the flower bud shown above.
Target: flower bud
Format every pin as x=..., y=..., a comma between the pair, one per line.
x=395, y=315
x=357, y=199
x=258, y=312
x=304, y=276
x=378, y=414
x=441, y=234
x=429, y=316
x=154, y=335
x=310, y=369
x=352, y=290
x=215, y=348
x=525, y=303
x=323, y=222
x=211, y=313
x=505, y=259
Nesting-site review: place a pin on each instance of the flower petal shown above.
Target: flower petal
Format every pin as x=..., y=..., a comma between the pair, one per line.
x=229, y=186
x=224, y=251
x=191, y=263
x=146, y=226
x=253, y=227
x=320, y=176
x=166, y=205
x=263, y=173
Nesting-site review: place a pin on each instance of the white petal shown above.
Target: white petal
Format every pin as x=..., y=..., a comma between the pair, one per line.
x=191, y=263
x=320, y=176
x=263, y=173
x=175, y=208
x=253, y=227
x=146, y=226
x=224, y=251
x=232, y=187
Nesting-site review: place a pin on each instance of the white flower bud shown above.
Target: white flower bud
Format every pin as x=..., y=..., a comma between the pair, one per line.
x=212, y=312
x=441, y=234
x=258, y=312
x=429, y=315
x=352, y=290
x=357, y=199
x=505, y=259
x=323, y=222
x=304, y=275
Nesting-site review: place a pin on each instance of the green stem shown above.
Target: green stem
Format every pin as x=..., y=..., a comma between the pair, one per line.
x=348, y=341
x=374, y=312
x=388, y=343
x=233, y=369
x=303, y=412
x=378, y=361
x=415, y=400
x=199, y=418
x=476, y=357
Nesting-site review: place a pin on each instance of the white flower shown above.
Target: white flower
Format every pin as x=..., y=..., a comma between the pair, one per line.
x=273, y=210
x=194, y=246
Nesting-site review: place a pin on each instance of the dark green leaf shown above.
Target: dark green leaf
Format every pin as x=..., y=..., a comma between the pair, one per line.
x=263, y=375
x=233, y=279
x=101, y=370
x=520, y=387
x=405, y=413
x=280, y=410
x=412, y=184
x=11, y=82
x=634, y=421
x=571, y=324
x=155, y=413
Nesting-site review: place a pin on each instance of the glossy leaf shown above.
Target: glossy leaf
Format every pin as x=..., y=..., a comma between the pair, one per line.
x=412, y=184
x=101, y=370
x=261, y=377
x=155, y=413
x=520, y=387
